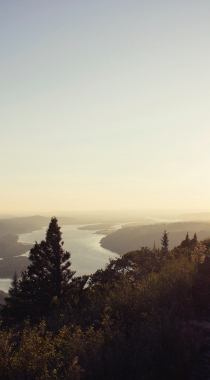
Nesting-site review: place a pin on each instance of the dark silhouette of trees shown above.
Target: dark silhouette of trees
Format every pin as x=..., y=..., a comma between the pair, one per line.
x=164, y=243
x=194, y=239
x=132, y=320
x=44, y=283
x=187, y=242
x=49, y=267
x=12, y=309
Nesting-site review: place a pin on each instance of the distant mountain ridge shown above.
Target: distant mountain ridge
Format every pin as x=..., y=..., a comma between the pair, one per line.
x=199, y=216
x=20, y=225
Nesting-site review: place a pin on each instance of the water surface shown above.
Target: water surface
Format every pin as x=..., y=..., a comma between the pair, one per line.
x=86, y=253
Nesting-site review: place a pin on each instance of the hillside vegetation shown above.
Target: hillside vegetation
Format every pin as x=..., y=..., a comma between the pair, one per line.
x=132, y=238
x=129, y=321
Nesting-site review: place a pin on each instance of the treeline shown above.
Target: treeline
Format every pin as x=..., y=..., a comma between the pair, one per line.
x=129, y=321
x=130, y=237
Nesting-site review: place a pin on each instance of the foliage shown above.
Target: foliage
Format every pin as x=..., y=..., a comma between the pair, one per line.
x=128, y=321
x=187, y=242
x=164, y=243
x=34, y=354
x=43, y=283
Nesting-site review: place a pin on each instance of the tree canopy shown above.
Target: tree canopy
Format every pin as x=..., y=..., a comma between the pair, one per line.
x=164, y=243
x=130, y=320
x=46, y=279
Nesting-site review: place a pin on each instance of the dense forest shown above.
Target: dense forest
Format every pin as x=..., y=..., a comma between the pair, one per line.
x=139, y=318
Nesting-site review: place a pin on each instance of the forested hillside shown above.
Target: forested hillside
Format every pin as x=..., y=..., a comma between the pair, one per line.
x=132, y=320
x=131, y=238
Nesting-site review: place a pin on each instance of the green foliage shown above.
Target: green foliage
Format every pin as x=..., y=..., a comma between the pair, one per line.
x=129, y=321
x=35, y=354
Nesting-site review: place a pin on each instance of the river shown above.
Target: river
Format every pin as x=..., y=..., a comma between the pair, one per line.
x=84, y=245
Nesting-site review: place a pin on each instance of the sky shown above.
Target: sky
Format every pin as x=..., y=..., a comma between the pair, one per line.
x=104, y=105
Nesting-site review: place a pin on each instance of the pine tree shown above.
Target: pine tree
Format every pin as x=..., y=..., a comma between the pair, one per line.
x=11, y=312
x=49, y=267
x=164, y=243
x=186, y=242
x=194, y=239
x=45, y=281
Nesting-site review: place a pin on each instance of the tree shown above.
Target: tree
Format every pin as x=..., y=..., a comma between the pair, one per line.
x=164, y=243
x=12, y=309
x=50, y=264
x=186, y=242
x=194, y=239
x=46, y=280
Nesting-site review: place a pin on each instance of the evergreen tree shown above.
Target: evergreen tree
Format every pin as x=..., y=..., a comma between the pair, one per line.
x=186, y=242
x=12, y=309
x=164, y=243
x=45, y=281
x=49, y=267
x=194, y=239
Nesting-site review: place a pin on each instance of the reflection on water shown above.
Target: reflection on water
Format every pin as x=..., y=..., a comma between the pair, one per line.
x=86, y=253
x=5, y=284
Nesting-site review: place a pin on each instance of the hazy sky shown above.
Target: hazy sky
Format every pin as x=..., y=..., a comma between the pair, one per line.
x=104, y=105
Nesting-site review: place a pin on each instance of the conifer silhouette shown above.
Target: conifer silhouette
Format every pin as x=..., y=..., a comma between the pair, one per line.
x=45, y=281
x=164, y=243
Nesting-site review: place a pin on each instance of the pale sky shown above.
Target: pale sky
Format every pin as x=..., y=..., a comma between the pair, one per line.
x=104, y=105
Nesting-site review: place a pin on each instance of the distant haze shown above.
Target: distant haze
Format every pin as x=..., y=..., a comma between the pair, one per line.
x=104, y=105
